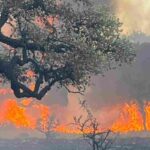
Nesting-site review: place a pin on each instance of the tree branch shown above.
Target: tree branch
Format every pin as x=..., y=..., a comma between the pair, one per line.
x=57, y=47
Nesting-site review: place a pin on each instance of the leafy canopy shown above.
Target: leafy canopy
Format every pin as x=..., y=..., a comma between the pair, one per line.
x=56, y=41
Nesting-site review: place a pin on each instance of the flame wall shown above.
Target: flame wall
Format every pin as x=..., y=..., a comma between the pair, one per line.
x=26, y=114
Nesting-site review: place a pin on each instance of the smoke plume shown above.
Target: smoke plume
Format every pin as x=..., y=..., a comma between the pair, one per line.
x=134, y=14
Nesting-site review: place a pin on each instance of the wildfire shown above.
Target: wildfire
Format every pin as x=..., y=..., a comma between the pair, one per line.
x=147, y=113
x=130, y=119
x=28, y=114
x=12, y=113
x=21, y=115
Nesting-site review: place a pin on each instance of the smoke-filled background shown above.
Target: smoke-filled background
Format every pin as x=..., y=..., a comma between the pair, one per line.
x=134, y=14
x=127, y=82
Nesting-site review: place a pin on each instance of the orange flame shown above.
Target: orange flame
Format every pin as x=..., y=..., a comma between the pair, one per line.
x=19, y=115
x=30, y=74
x=147, y=113
x=12, y=113
x=27, y=113
x=130, y=119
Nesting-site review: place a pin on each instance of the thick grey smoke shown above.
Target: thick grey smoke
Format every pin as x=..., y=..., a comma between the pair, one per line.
x=56, y=96
x=130, y=82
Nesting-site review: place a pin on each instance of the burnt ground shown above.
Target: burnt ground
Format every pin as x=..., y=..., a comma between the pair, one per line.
x=75, y=144
x=132, y=144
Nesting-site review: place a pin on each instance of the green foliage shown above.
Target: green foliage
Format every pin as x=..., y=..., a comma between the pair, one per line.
x=64, y=42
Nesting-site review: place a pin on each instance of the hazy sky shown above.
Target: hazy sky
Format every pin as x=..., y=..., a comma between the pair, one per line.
x=135, y=15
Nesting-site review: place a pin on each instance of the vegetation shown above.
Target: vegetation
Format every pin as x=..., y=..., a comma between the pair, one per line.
x=97, y=138
x=47, y=127
x=60, y=42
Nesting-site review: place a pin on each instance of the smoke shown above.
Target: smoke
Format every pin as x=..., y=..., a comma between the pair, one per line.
x=134, y=14
x=129, y=82
x=136, y=77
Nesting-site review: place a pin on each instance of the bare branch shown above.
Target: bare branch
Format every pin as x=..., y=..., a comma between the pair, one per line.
x=89, y=127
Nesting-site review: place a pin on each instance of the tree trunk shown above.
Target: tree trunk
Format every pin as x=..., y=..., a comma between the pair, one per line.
x=93, y=144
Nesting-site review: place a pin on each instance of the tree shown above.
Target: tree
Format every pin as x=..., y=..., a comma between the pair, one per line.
x=89, y=127
x=60, y=42
x=47, y=126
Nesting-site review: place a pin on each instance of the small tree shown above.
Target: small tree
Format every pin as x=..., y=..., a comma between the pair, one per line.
x=48, y=126
x=61, y=41
x=91, y=132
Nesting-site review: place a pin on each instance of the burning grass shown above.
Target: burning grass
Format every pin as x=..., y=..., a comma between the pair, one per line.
x=27, y=114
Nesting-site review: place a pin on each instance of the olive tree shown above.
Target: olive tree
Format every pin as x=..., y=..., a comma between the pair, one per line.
x=62, y=42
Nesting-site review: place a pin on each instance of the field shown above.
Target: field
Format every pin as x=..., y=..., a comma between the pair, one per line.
x=75, y=144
